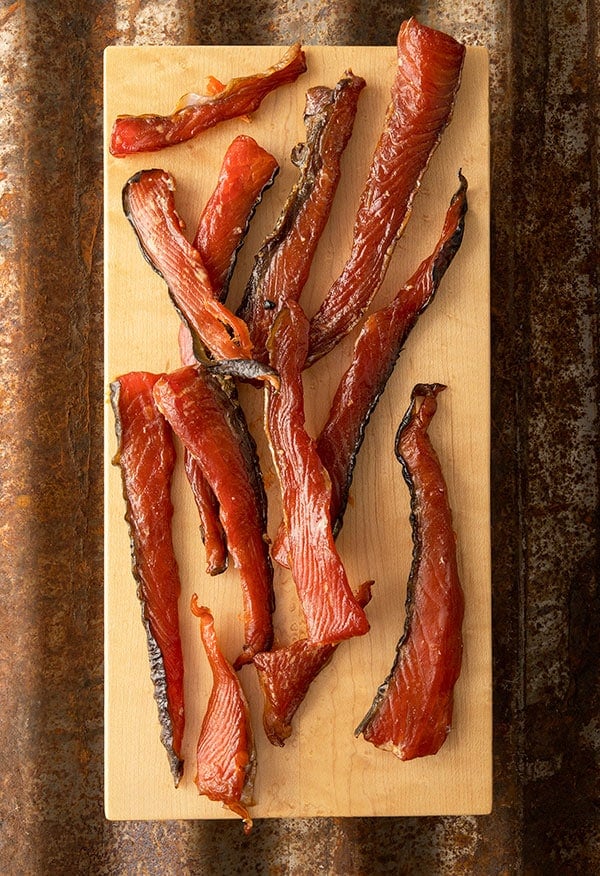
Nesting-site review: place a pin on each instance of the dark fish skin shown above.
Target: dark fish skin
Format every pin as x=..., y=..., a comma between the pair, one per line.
x=283, y=263
x=225, y=754
x=285, y=675
x=146, y=457
x=411, y=714
x=212, y=427
x=194, y=114
x=422, y=99
x=330, y=609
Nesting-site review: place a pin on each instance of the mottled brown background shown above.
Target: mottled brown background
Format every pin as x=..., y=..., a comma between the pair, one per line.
x=544, y=125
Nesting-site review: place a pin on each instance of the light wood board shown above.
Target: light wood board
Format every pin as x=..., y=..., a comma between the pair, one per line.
x=323, y=770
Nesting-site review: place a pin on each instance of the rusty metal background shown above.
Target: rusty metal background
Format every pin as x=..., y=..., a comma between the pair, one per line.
x=545, y=94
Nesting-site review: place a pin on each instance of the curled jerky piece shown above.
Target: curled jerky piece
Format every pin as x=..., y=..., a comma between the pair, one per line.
x=146, y=457
x=149, y=204
x=196, y=113
x=212, y=427
x=423, y=94
x=225, y=756
x=411, y=714
x=285, y=675
x=283, y=263
x=246, y=172
x=331, y=611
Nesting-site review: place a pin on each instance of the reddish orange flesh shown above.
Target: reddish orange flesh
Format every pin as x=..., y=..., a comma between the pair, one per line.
x=225, y=757
x=148, y=133
x=412, y=711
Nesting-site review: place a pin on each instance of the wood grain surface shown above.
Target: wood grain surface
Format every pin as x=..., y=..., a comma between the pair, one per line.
x=323, y=769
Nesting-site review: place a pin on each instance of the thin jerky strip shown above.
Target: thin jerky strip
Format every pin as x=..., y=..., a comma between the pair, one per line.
x=149, y=204
x=247, y=170
x=225, y=755
x=283, y=263
x=331, y=611
x=196, y=113
x=285, y=675
x=146, y=457
x=376, y=352
x=423, y=94
x=211, y=425
x=411, y=714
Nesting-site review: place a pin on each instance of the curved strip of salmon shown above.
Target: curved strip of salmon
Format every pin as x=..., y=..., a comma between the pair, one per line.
x=149, y=204
x=247, y=170
x=375, y=354
x=285, y=675
x=225, y=755
x=212, y=427
x=146, y=457
x=196, y=113
x=283, y=263
x=331, y=611
x=423, y=93
x=411, y=714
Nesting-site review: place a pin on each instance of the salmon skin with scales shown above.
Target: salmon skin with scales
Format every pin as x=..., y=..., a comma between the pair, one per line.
x=283, y=263
x=375, y=354
x=211, y=425
x=285, y=675
x=196, y=113
x=149, y=204
x=411, y=714
x=146, y=457
x=225, y=755
x=330, y=609
x=427, y=79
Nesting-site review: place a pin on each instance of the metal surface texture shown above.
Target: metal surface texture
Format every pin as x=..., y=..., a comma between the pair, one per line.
x=544, y=126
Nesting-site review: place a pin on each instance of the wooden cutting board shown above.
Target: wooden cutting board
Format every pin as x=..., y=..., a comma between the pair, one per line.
x=323, y=769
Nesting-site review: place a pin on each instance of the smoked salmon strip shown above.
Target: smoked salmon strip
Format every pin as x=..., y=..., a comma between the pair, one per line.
x=225, y=755
x=411, y=714
x=149, y=204
x=196, y=112
x=283, y=263
x=423, y=93
x=211, y=425
x=146, y=457
x=285, y=675
x=331, y=611
x=247, y=170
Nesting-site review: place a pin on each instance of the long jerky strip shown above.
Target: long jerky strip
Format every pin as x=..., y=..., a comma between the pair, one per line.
x=285, y=675
x=196, y=113
x=283, y=263
x=225, y=754
x=423, y=94
x=411, y=714
x=146, y=457
x=149, y=204
x=210, y=424
x=375, y=354
x=331, y=611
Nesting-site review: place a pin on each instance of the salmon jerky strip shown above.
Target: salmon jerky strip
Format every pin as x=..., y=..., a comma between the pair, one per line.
x=146, y=457
x=210, y=424
x=196, y=113
x=411, y=714
x=422, y=99
x=283, y=263
x=331, y=611
x=225, y=755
